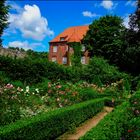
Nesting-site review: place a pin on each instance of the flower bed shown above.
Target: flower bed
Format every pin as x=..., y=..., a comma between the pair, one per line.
x=52, y=124
x=18, y=101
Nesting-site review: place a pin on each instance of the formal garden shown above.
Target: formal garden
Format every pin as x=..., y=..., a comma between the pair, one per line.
x=43, y=100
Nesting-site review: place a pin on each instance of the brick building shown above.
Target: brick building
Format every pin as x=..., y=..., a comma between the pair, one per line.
x=60, y=51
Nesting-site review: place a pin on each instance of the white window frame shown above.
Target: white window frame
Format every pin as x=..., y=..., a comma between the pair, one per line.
x=64, y=60
x=53, y=59
x=55, y=48
x=83, y=60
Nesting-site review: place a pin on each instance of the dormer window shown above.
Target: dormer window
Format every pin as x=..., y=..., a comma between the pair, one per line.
x=62, y=38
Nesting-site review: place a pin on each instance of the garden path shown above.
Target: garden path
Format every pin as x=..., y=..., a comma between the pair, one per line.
x=86, y=126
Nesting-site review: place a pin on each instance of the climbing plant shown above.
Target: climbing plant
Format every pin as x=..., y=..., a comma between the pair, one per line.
x=76, y=56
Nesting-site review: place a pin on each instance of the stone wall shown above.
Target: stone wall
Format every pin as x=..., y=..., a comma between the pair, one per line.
x=12, y=53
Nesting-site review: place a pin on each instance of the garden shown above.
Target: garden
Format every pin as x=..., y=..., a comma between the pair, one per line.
x=44, y=100
x=44, y=104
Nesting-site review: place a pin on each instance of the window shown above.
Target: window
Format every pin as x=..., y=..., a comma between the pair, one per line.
x=62, y=38
x=64, y=60
x=83, y=60
x=83, y=48
x=53, y=59
x=54, y=48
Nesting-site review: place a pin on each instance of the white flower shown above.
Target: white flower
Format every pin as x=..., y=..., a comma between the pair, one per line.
x=37, y=90
x=27, y=89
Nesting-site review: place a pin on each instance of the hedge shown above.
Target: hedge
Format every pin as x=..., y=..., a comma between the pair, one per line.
x=111, y=127
x=52, y=124
x=36, y=69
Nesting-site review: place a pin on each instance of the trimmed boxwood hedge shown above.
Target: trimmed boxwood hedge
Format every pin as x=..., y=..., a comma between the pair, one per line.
x=52, y=124
x=111, y=127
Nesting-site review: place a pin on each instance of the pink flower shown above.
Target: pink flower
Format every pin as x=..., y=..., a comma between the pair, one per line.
x=9, y=86
x=58, y=86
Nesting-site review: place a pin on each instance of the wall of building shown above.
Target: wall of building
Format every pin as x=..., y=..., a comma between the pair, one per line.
x=12, y=53
x=62, y=51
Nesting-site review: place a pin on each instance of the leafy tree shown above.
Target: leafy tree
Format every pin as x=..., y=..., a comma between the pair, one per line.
x=99, y=71
x=3, y=18
x=104, y=38
x=135, y=19
x=132, y=38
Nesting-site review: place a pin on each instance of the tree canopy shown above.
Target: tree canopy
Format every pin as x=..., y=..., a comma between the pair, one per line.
x=104, y=38
x=3, y=18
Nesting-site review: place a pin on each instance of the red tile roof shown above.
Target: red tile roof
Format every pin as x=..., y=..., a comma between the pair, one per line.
x=72, y=34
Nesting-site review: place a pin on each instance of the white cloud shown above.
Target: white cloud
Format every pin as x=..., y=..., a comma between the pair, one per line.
x=25, y=45
x=130, y=3
x=89, y=14
x=107, y=4
x=30, y=23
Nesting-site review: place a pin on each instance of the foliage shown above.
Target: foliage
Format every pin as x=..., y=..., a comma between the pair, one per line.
x=100, y=71
x=16, y=48
x=132, y=44
x=35, y=70
x=104, y=38
x=3, y=18
x=15, y=99
x=135, y=20
x=59, y=121
x=37, y=55
x=88, y=94
x=76, y=57
x=133, y=126
x=112, y=126
x=4, y=78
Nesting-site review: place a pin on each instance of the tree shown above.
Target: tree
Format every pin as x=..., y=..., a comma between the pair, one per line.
x=3, y=18
x=132, y=38
x=135, y=19
x=104, y=38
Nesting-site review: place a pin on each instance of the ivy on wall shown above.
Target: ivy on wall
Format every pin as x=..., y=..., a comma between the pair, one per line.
x=76, y=56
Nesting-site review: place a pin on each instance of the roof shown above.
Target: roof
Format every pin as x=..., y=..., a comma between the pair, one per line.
x=72, y=34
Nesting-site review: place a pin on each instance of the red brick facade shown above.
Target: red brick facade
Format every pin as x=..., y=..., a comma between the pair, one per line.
x=60, y=52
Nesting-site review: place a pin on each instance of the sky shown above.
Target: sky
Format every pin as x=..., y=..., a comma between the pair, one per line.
x=33, y=23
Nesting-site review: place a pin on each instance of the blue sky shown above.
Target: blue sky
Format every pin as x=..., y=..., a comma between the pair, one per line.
x=34, y=23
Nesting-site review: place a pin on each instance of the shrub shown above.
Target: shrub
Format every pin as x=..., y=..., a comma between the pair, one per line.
x=111, y=127
x=52, y=124
x=4, y=78
x=35, y=70
x=134, y=129
x=99, y=68
x=133, y=126
x=88, y=94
